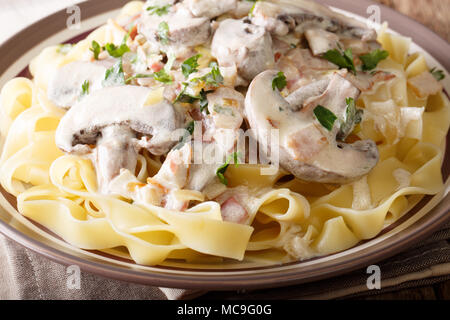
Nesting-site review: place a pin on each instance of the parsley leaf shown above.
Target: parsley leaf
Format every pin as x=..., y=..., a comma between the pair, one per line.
x=159, y=10
x=184, y=97
x=162, y=76
x=325, y=117
x=115, y=51
x=342, y=60
x=220, y=172
x=371, y=60
x=353, y=116
x=279, y=81
x=213, y=78
x=138, y=76
x=190, y=65
x=250, y=13
x=163, y=32
x=204, y=101
x=189, y=132
x=85, y=88
x=95, y=48
x=437, y=74
x=114, y=76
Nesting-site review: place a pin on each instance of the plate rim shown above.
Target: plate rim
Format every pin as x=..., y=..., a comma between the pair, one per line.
x=397, y=243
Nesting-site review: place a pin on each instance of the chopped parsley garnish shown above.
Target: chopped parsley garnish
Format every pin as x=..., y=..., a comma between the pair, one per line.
x=162, y=76
x=279, y=81
x=213, y=78
x=371, y=60
x=190, y=65
x=85, y=88
x=325, y=117
x=220, y=172
x=138, y=76
x=114, y=75
x=342, y=60
x=353, y=116
x=163, y=32
x=184, y=97
x=64, y=48
x=116, y=51
x=189, y=132
x=159, y=10
x=437, y=74
x=128, y=35
x=250, y=14
x=204, y=102
x=95, y=48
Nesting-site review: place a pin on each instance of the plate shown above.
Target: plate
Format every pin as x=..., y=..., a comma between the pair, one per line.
x=428, y=215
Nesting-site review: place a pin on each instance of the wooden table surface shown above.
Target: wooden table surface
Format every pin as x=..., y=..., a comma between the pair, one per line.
x=435, y=14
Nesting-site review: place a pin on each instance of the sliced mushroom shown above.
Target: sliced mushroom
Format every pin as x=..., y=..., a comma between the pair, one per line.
x=114, y=119
x=245, y=45
x=297, y=98
x=242, y=9
x=320, y=41
x=184, y=30
x=301, y=15
x=307, y=149
x=65, y=87
x=210, y=8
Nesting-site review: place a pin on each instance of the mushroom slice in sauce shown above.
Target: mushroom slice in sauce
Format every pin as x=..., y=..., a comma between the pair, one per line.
x=210, y=8
x=284, y=16
x=65, y=87
x=306, y=149
x=113, y=120
x=249, y=47
x=320, y=41
x=176, y=29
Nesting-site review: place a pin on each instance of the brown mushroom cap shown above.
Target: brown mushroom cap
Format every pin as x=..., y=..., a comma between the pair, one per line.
x=126, y=105
x=184, y=29
x=307, y=149
x=245, y=45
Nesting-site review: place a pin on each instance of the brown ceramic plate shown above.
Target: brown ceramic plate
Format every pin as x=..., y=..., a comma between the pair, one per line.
x=426, y=217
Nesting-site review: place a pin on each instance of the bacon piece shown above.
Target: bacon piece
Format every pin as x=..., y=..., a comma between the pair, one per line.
x=233, y=211
x=306, y=143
